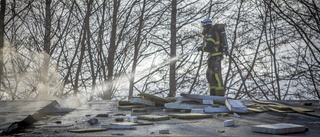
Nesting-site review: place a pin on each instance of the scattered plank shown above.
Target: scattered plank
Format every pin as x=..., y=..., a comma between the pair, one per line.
x=132, y=123
x=88, y=130
x=257, y=110
x=119, y=127
x=280, y=128
x=302, y=109
x=156, y=98
x=124, y=103
x=153, y=117
x=130, y=107
x=139, y=110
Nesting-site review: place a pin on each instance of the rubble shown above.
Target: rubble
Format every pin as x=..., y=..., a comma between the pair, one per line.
x=236, y=115
x=228, y=123
x=119, y=119
x=193, y=109
x=93, y=121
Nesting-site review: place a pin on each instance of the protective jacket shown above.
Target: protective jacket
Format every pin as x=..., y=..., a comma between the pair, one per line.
x=213, y=46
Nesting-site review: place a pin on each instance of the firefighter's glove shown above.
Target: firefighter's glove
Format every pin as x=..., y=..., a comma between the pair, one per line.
x=199, y=49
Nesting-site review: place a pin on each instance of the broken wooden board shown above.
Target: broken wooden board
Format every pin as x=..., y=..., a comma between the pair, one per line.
x=142, y=101
x=88, y=130
x=124, y=103
x=257, y=110
x=119, y=127
x=190, y=115
x=153, y=117
x=56, y=125
x=180, y=105
x=139, y=110
x=301, y=109
x=132, y=123
x=159, y=101
x=130, y=107
x=216, y=99
x=280, y=128
x=280, y=110
x=236, y=106
x=280, y=107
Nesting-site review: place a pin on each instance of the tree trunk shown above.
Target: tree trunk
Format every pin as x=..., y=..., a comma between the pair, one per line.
x=2, y=14
x=173, y=84
x=107, y=95
x=83, y=47
x=43, y=83
x=136, y=51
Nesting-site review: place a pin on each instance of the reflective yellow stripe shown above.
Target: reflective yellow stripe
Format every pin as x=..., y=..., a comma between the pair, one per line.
x=219, y=82
x=214, y=54
x=212, y=87
x=203, y=49
x=212, y=40
x=219, y=88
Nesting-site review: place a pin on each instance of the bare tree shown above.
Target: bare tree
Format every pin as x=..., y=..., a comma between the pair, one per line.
x=2, y=15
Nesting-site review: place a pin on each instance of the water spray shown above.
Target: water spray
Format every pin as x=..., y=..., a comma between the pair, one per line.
x=170, y=60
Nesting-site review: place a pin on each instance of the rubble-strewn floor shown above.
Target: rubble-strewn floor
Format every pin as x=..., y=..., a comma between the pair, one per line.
x=58, y=125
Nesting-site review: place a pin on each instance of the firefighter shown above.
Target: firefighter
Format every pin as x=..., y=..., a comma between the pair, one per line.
x=213, y=47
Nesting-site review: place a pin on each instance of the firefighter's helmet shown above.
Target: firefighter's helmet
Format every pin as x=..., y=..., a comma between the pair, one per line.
x=206, y=22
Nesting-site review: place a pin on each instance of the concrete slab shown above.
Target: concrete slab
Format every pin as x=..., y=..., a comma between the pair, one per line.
x=201, y=111
x=220, y=109
x=207, y=102
x=217, y=99
x=236, y=106
x=184, y=99
x=280, y=128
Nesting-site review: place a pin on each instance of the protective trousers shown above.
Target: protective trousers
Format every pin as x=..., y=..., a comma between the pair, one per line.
x=214, y=76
